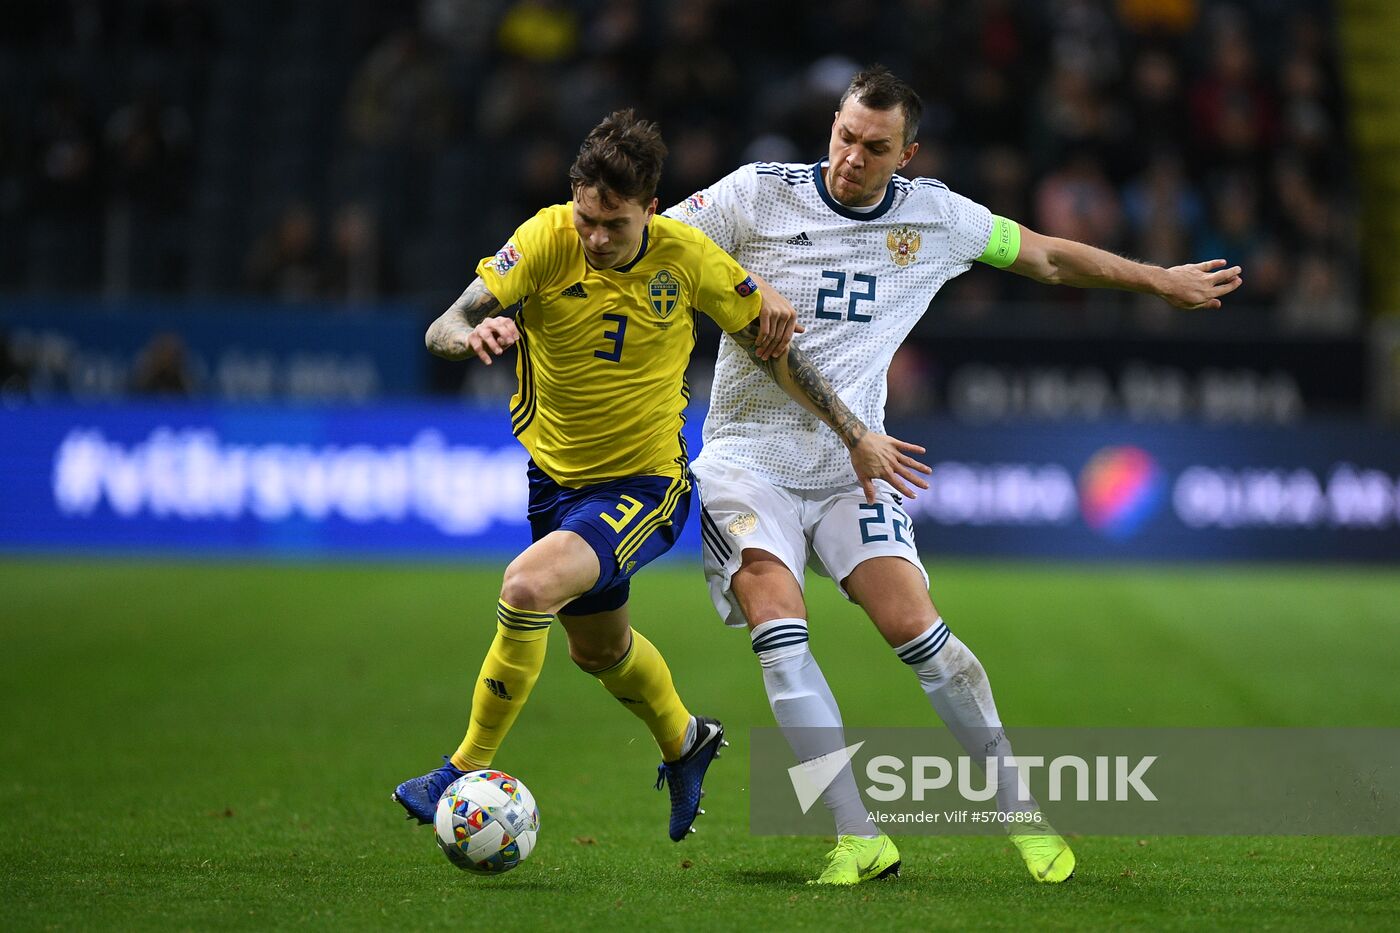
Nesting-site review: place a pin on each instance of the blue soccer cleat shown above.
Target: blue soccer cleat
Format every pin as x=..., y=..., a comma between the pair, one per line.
x=420, y=795
x=685, y=775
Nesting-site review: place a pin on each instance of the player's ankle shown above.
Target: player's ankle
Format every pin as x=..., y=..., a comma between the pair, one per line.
x=688, y=739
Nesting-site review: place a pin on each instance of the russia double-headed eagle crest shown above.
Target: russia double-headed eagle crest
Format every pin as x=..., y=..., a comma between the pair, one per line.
x=743, y=524
x=903, y=244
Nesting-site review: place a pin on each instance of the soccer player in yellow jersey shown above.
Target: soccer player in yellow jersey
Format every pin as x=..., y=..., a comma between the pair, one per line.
x=605, y=290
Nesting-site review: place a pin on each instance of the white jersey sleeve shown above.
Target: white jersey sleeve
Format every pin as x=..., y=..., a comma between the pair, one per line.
x=969, y=228
x=723, y=211
x=860, y=282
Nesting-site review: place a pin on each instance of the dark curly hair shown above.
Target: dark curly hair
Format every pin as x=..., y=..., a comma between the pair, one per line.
x=621, y=157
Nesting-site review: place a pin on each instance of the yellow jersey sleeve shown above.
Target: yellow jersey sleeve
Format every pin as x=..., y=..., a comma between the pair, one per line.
x=526, y=262
x=726, y=293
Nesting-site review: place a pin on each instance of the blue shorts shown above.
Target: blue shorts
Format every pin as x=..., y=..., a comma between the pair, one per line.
x=628, y=523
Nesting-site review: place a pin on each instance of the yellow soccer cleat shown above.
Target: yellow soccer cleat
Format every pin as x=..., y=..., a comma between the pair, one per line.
x=855, y=860
x=1048, y=857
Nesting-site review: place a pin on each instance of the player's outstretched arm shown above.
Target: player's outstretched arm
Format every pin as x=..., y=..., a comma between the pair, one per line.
x=470, y=327
x=874, y=455
x=1057, y=261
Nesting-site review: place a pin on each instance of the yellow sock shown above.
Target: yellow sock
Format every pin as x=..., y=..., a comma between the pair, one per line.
x=642, y=681
x=507, y=675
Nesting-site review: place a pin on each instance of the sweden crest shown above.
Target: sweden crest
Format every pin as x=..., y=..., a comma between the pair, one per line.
x=665, y=291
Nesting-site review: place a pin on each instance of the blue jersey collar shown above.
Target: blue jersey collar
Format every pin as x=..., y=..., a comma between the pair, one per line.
x=642, y=251
x=819, y=177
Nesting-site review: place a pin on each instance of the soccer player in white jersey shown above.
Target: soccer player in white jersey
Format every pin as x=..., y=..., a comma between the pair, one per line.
x=860, y=251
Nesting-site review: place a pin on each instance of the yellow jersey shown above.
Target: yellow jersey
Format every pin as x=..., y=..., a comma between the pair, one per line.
x=602, y=352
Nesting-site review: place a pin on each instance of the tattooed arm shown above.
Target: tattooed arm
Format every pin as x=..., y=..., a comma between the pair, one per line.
x=795, y=375
x=470, y=327
x=874, y=456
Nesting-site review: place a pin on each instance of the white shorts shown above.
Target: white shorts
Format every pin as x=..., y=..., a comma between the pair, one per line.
x=831, y=530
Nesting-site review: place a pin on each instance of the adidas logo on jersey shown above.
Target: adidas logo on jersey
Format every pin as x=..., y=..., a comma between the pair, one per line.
x=574, y=291
x=802, y=239
x=497, y=687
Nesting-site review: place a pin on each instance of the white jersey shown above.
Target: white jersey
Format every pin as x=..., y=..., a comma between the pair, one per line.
x=859, y=282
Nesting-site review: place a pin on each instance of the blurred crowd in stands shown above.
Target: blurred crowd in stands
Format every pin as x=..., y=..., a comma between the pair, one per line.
x=351, y=150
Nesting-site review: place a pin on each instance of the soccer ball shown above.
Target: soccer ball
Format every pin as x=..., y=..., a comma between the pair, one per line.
x=486, y=822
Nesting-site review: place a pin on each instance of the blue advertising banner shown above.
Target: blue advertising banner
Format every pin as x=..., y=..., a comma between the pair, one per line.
x=237, y=351
x=425, y=480
x=419, y=479
x=1102, y=490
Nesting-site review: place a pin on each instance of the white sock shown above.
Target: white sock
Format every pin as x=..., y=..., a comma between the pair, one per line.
x=688, y=742
x=956, y=684
x=808, y=716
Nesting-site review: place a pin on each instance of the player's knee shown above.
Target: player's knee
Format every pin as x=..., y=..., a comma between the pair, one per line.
x=527, y=589
x=765, y=607
x=900, y=628
x=767, y=592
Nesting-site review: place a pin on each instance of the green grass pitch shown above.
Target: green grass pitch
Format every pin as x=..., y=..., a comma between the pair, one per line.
x=212, y=746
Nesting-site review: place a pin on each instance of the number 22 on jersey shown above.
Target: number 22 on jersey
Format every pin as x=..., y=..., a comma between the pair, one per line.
x=898, y=521
x=862, y=288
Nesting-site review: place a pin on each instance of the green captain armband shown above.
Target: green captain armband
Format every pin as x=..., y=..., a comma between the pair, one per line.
x=1005, y=244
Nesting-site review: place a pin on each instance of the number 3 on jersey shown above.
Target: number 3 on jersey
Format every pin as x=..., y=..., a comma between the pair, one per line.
x=862, y=289
x=627, y=510
x=616, y=336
